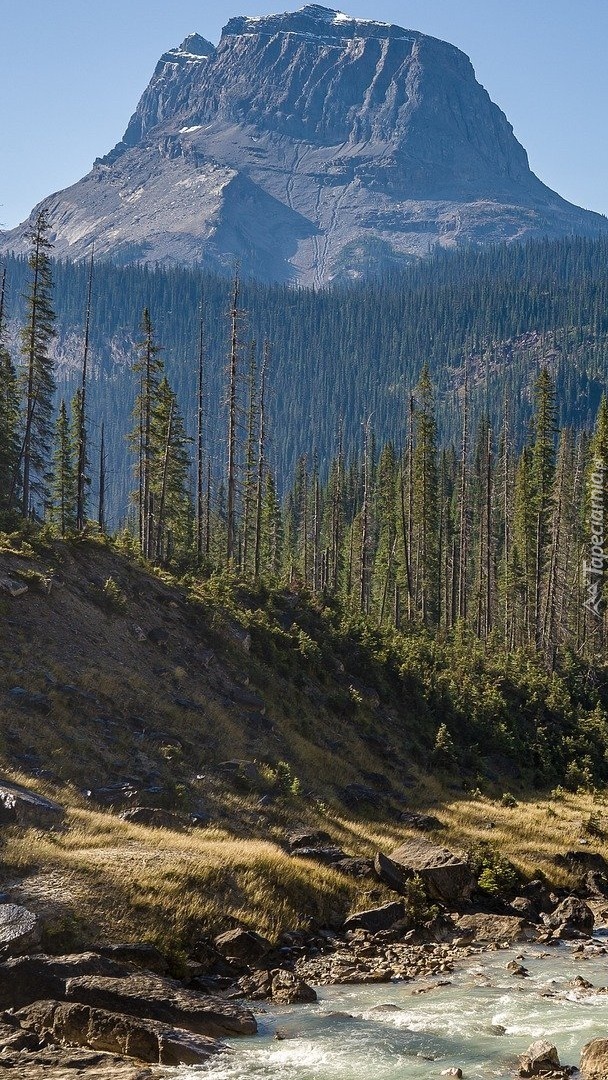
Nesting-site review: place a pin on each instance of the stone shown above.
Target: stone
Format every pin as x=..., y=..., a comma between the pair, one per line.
x=277, y=985
x=327, y=855
x=26, y=978
x=69, y=1063
x=20, y=806
x=523, y=907
x=97, y=1029
x=594, y=1060
x=571, y=918
x=540, y=1058
x=12, y=587
x=20, y=930
x=445, y=876
x=157, y=998
x=307, y=839
x=390, y=873
x=289, y=989
x=452, y=1072
x=140, y=954
x=423, y=822
x=374, y=920
x=496, y=928
x=242, y=945
x=154, y=817
x=596, y=884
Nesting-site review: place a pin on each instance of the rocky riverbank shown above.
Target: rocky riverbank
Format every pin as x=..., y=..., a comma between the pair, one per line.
x=127, y=1010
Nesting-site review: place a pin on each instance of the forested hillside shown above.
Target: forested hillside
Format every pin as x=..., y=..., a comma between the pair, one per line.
x=343, y=354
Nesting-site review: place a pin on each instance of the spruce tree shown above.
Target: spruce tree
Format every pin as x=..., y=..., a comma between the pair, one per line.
x=169, y=476
x=148, y=367
x=9, y=412
x=37, y=373
x=425, y=499
x=64, y=484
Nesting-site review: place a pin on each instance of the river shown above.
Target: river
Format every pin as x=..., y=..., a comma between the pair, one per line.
x=481, y=1022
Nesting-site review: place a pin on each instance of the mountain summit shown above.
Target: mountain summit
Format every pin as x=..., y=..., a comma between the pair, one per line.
x=310, y=146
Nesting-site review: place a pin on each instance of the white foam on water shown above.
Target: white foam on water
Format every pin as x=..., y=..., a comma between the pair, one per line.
x=347, y=1037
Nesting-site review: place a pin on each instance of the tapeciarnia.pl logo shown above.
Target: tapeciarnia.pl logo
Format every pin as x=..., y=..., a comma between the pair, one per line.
x=595, y=568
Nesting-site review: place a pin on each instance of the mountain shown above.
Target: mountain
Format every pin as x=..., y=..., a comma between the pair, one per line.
x=310, y=146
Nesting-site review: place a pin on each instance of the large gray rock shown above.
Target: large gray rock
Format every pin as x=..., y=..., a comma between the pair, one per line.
x=446, y=876
x=155, y=998
x=594, y=1060
x=496, y=928
x=25, y=979
x=374, y=920
x=145, y=1040
x=12, y=587
x=277, y=985
x=20, y=930
x=540, y=1058
x=571, y=918
x=309, y=146
x=20, y=806
x=391, y=873
x=244, y=946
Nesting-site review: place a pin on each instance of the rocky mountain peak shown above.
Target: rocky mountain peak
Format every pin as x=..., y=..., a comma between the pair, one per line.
x=311, y=146
x=195, y=46
x=321, y=23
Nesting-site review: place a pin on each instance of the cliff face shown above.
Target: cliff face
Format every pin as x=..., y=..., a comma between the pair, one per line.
x=310, y=146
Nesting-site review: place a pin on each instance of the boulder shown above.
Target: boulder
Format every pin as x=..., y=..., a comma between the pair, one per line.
x=20, y=806
x=278, y=985
x=27, y=978
x=495, y=928
x=422, y=822
x=242, y=945
x=596, y=884
x=446, y=876
x=67, y=1063
x=327, y=855
x=156, y=998
x=374, y=920
x=306, y=839
x=524, y=907
x=154, y=817
x=12, y=587
x=390, y=873
x=594, y=1060
x=352, y=867
x=571, y=918
x=140, y=954
x=19, y=930
x=540, y=1059
x=96, y=1029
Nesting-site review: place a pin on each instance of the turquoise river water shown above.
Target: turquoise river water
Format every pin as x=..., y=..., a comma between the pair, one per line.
x=481, y=1022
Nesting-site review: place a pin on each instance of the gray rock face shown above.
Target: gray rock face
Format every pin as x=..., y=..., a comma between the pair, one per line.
x=573, y=916
x=446, y=876
x=20, y=806
x=19, y=930
x=594, y=1060
x=374, y=920
x=311, y=146
x=146, y=1040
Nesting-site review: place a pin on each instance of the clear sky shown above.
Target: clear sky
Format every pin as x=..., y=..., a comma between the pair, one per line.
x=72, y=71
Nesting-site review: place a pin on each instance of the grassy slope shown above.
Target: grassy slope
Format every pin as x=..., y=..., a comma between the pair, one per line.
x=309, y=703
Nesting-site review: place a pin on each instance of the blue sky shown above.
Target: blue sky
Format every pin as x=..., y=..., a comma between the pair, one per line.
x=71, y=73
